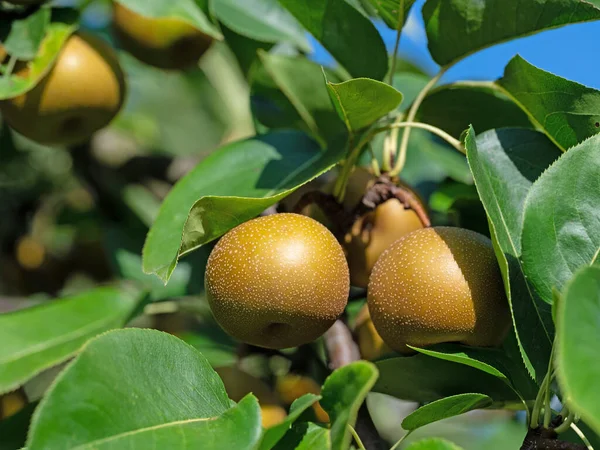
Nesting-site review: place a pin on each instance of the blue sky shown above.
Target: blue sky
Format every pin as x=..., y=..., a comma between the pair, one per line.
x=571, y=52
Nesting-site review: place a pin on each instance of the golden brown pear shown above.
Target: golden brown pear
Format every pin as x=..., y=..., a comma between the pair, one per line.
x=3, y=54
x=292, y=386
x=370, y=343
x=81, y=94
x=277, y=281
x=372, y=233
x=11, y=403
x=239, y=383
x=439, y=285
x=166, y=43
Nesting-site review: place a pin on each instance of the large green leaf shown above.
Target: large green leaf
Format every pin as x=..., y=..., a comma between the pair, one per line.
x=22, y=38
x=37, y=338
x=457, y=28
x=261, y=20
x=391, y=12
x=568, y=112
x=361, y=101
x=273, y=435
x=343, y=393
x=187, y=10
x=433, y=444
x=140, y=389
x=453, y=107
x=229, y=187
x=63, y=24
x=561, y=230
x=306, y=93
x=348, y=35
x=426, y=379
x=504, y=164
x=444, y=408
x=493, y=361
x=577, y=334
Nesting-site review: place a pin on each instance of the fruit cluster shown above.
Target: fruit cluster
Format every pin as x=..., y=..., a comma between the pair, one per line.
x=282, y=280
x=85, y=87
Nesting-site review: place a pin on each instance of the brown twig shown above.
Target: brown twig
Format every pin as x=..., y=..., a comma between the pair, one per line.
x=341, y=347
x=386, y=188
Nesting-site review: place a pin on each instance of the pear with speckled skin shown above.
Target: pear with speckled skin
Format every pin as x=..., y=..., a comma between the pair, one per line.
x=166, y=43
x=438, y=285
x=82, y=93
x=277, y=281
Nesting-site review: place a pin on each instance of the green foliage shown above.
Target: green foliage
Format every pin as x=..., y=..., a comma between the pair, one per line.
x=300, y=102
x=577, y=333
x=261, y=20
x=428, y=378
x=433, y=444
x=228, y=188
x=453, y=107
x=461, y=27
x=444, y=408
x=62, y=25
x=348, y=35
x=37, y=338
x=391, y=13
x=195, y=153
x=273, y=435
x=567, y=111
x=554, y=250
x=505, y=163
x=343, y=393
x=139, y=401
x=360, y=102
x=25, y=35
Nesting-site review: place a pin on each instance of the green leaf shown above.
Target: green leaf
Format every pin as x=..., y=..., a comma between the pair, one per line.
x=497, y=362
x=504, y=164
x=40, y=337
x=148, y=117
x=457, y=28
x=273, y=435
x=261, y=20
x=216, y=346
x=187, y=10
x=64, y=23
x=390, y=12
x=433, y=444
x=453, y=107
x=561, y=230
x=124, y=254
x=577, y=334
x=566, y=111
x=143, y=384
x=231, y=186
x=244, y=48
x=445, y=408
x=306, y=93
x=348, y=35
x=361, y=101
x=305, y=436
x=24, y=35
x=343, y=393
x=426, y=379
